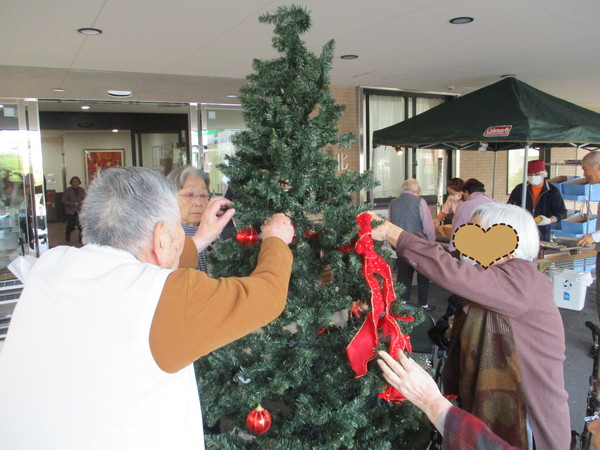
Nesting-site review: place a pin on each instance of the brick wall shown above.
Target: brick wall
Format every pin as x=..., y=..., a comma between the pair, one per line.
x=348, y=123
x=480, y=165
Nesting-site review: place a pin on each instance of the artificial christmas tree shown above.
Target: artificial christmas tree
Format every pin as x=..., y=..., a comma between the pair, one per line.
x=297, y=367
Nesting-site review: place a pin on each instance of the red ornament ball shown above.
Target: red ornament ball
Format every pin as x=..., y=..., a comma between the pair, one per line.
x=258, y=420
x=248, y=236
x=311, y=235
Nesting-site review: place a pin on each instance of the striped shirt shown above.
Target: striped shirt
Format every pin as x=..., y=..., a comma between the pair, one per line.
x=190, y=230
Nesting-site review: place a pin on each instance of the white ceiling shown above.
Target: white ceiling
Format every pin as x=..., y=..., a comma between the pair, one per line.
x=201, y=50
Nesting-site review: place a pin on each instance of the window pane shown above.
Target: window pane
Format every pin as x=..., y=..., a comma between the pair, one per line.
x=387, y=166
x=431, y=171
x=217, y=144
x=515, y=166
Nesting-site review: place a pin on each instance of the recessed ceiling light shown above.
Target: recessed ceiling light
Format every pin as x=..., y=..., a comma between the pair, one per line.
x=85, y=107
x=232, y=96
x=120, y=94
x=89, y=31
x=461, y=20
x=115, y=131
x=349, y=57
x=59, y=90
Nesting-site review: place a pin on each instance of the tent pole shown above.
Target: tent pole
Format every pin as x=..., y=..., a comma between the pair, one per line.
x=524, y=196
x=494, y=178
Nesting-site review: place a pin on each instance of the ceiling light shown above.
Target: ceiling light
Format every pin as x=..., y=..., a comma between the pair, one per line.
x=1, y=106
x=232, y=96
x=89, y=31
x=120, y=94
x=85, y=107
x=461, y=20
x=115, y=131
x=349, y=57
x=59, y=90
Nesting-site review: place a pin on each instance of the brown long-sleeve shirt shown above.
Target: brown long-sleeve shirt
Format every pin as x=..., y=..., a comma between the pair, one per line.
x=197, y=314
x=519, y=291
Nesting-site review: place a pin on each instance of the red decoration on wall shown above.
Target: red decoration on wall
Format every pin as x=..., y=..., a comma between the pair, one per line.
x=248, y=236
x=362, y=347
x=258, y=420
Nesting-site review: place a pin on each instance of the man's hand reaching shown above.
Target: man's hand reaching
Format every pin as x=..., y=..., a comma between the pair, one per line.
x=212, y=222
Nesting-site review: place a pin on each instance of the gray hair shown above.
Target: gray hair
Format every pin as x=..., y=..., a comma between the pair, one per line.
x=411, y=185
x=179, y=175
x=492, y=213
x=592, y=158
x=124, y=204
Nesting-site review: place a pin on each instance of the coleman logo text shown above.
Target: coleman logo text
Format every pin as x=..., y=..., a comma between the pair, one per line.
x=498, y=130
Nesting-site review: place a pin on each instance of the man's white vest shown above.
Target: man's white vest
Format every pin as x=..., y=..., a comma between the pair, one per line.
x=76, y=370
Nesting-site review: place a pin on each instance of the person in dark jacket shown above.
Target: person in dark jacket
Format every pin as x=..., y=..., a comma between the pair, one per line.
x=73, y=200
x=543, y=200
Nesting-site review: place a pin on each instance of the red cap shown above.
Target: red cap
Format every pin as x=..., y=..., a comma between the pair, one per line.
x=536, y=166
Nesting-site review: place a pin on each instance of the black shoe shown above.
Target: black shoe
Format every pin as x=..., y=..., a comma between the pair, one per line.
x=428, y=308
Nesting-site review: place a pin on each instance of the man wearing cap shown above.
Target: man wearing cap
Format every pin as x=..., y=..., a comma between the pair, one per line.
x=543, y=199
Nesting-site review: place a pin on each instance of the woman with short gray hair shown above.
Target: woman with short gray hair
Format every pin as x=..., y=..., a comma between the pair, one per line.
x=193, y=196
x=507, y=346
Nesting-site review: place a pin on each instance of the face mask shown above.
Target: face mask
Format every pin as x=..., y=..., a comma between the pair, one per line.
x=455, y=197
x=464, y=258
x=535, y=180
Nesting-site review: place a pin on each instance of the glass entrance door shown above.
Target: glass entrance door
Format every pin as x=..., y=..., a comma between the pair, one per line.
x=23, y=228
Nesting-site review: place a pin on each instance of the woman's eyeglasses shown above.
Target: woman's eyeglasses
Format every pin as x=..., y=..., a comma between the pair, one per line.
x=190, y=196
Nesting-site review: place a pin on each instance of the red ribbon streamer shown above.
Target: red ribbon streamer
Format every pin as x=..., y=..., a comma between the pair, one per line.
x=363, y=346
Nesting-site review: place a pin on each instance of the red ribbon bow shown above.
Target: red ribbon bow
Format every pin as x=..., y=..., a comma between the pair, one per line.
x=362, y=347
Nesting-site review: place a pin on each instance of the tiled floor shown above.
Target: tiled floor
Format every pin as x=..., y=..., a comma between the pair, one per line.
x=56, y=235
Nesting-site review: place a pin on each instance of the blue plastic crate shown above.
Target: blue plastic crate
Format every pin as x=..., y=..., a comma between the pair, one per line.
x=560, y=180
x=580, y=188
x=559, y=233
x=578, y=225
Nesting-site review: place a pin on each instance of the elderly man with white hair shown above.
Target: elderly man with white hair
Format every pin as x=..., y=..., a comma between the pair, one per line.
x=411, y=212
x=591, y=171
x=100, y=349
x=507, y=345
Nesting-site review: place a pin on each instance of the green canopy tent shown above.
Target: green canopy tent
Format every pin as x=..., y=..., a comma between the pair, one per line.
x=505, y=115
